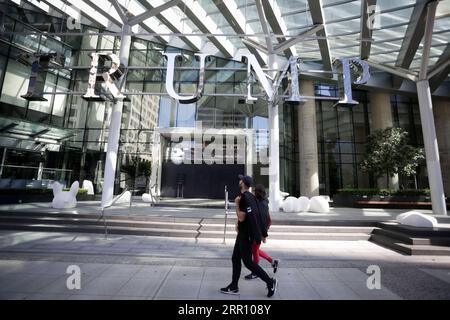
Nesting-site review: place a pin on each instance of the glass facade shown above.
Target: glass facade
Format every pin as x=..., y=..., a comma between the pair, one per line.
x=79, y=151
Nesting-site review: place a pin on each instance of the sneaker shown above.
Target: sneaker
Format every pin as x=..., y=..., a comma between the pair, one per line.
x=271, y=290
x=250, y=276
x=229, y=290
x=275, y=265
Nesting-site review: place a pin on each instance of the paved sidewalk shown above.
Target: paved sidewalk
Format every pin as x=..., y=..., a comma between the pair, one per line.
x=33, y=266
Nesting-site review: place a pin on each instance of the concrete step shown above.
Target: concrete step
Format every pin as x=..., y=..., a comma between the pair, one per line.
x=167, y=231
x=415, y=231
x=407, y=239
x=409, y=249
x=97, y=221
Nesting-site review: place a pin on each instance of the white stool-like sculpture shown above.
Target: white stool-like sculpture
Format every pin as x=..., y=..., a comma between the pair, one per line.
x=417, y=219
x=304, y=204
x=291, y=204
x=319, y=204
x=64, y=199
x=125, y=198
x=87, y=184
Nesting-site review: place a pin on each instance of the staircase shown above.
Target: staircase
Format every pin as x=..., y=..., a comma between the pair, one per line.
x=412, y=240
x=174, y=226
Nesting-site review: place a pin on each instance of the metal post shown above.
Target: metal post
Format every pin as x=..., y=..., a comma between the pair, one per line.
x=114, y=127
x=226, y=215
x=40, y=170
x=3, y=161
x=427, y=120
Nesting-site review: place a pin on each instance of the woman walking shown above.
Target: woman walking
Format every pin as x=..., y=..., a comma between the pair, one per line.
x=265, y=223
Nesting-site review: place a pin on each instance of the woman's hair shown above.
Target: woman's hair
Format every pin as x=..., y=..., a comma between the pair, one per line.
x=260, y=192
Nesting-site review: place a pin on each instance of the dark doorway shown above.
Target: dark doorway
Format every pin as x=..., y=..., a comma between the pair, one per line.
x=201, y=180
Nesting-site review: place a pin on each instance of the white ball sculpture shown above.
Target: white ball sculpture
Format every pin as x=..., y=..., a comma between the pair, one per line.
x=319, y=204
x=146, y=197
x=304, y=203
x=291, y=204
x=64, y=199
x=417, y=219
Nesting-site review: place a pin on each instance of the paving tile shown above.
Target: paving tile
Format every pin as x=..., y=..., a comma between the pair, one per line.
x=121, y=270
x=25, y=283
x=318, y=274
x=152, y=272
x=360, y=287
x=442, y=274
x=93, y=269
x=59, y=286
x=44, y=296
x=334, y=290
x=89, y=297
x=13, y=296
x=105, y=285
x=139, y=287
x=187, y=289
x=186, y=273
x=350, y=274
x=210, y=290
x=299, y=291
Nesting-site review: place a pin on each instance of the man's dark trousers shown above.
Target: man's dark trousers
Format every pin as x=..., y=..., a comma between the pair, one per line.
x=243, y=250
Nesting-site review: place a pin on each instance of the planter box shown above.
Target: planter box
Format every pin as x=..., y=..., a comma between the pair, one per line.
x=27, y=198
x=377, y=201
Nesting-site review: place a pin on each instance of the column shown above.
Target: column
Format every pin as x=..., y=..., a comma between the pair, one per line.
x=381, y=113
x=307, y=139
x=274, y=150
x=442, y=121
x=431, y=148
x=114, y=126
x=249, y=153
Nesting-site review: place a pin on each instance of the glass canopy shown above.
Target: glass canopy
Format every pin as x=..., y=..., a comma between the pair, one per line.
x=382, y=31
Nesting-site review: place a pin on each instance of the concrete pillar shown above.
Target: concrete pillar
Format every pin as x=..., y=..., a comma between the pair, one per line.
x=431, y=148
x=307, y=139
x=381, y=113
x=114, y=126
x=441, y=110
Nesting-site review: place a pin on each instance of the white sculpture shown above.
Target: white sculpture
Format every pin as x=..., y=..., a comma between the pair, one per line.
x=87, y=184
x=64, y=199
x=417, y=219
x=291, y=204
x=146, y=197
x=125, y=198
x=177, y=155
x=304, y=203
x=319, y=204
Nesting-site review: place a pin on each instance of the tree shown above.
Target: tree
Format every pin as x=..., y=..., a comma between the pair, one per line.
x=388, y=153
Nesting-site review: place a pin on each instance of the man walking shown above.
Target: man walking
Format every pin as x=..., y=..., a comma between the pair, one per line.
x=248, y=228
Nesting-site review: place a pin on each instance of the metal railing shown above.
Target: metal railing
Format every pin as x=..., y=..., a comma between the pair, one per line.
x=113, y=201
x=226, y=216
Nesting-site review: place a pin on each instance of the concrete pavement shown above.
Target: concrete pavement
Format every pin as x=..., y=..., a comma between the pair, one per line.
x=33, y=266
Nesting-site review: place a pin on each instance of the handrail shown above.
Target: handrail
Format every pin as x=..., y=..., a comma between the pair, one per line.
x=226, y=215
x=113, y=201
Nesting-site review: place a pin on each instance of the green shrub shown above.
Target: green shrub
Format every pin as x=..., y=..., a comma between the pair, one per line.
x=384, y=192
x=9, y=191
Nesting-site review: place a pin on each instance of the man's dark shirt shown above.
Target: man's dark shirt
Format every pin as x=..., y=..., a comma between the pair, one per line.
x=249, y=228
